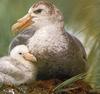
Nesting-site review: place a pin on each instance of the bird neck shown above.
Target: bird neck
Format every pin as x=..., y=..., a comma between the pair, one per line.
x=20, y=59
x=57, y=26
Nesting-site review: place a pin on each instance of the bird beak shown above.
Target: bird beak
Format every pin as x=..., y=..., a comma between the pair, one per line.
x=30, y=57
x=22, y=23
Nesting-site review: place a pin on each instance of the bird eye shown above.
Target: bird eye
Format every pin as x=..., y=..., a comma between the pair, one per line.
x=20, y=53
x=38, y=11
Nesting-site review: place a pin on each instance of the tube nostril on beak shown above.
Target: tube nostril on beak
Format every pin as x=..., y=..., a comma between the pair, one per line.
x=27, y=16
x=22, y=23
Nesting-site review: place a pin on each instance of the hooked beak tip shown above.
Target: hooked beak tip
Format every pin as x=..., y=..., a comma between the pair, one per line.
x=30, y=57
x=22, y=23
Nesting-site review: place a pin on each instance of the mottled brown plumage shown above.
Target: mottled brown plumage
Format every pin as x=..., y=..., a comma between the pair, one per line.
x=60, y=55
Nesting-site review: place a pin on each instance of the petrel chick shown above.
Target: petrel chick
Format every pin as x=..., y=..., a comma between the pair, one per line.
x=19, y=67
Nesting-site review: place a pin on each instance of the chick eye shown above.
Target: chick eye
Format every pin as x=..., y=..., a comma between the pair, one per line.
x=38, y=11
x=20, y=53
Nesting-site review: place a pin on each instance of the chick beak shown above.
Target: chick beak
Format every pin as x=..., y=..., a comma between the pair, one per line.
x=22, y=23
x=30, y=57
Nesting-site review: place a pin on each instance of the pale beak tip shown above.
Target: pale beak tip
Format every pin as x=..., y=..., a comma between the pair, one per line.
x=22, y=23
x=14, y=28
x=34, y=59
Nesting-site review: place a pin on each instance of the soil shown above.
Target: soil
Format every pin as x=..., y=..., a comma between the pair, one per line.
x=47, y=86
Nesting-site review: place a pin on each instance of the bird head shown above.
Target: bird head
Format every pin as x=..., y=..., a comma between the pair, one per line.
x=21, y=53
x=40, y=14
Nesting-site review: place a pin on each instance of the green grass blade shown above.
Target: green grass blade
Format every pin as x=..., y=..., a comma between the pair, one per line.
x=70, y=81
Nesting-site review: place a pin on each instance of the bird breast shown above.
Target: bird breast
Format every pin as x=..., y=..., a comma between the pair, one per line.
x=47, y=42
x=15, y=72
